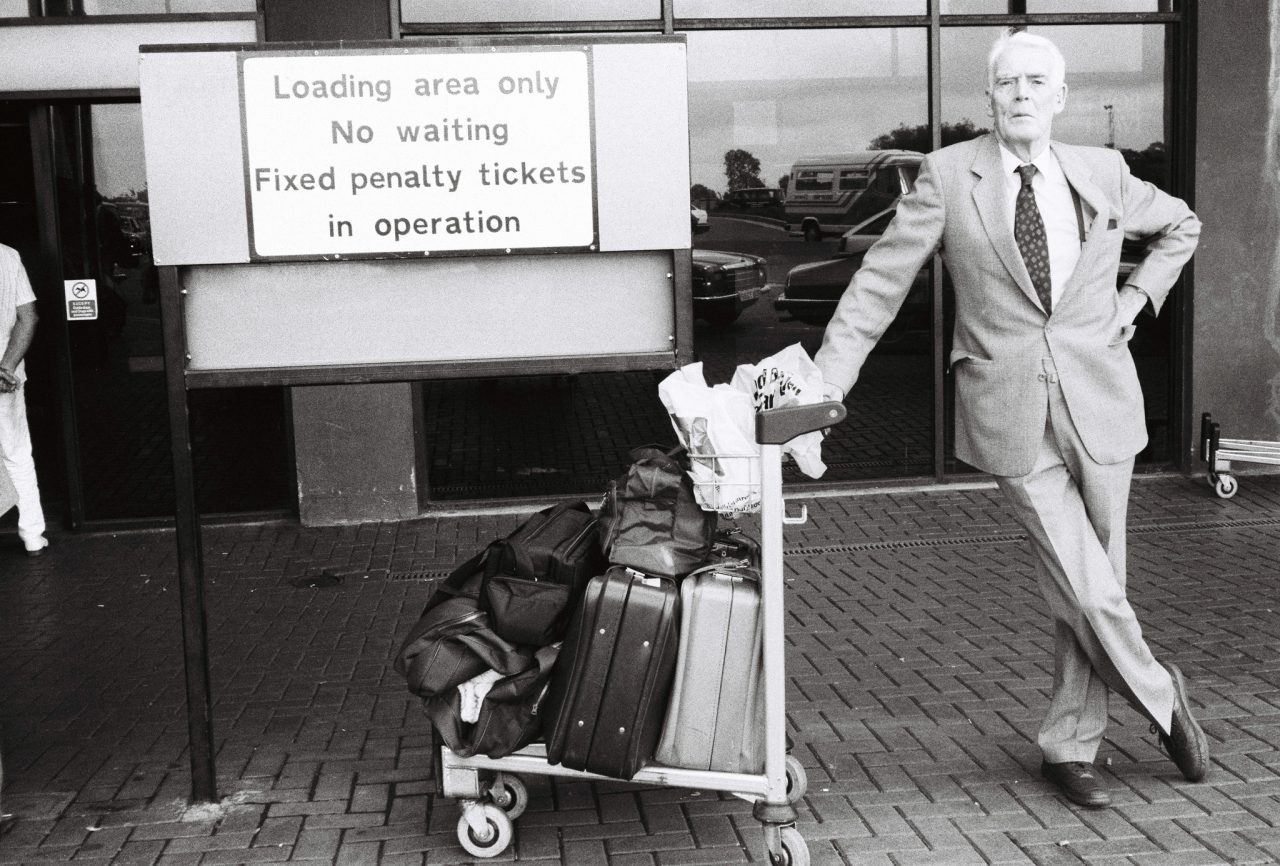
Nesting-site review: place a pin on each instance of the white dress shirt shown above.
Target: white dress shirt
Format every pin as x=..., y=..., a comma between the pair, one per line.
x=1057, y=209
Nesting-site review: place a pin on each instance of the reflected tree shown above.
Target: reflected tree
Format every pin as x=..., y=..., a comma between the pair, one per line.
x=919, y=138
x=702, y=196
x=742, y=169
x=1150, y=164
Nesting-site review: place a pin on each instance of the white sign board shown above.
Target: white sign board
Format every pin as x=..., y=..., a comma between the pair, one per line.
x=82, y=299
x=410, y=154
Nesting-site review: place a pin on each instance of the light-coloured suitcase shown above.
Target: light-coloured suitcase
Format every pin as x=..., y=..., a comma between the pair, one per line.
x=715, y=720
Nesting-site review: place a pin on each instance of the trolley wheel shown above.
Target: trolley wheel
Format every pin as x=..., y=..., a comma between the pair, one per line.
x=509, y=794
x=795, y=851
x=797, y=780
x=1226, y=486
x=492, y=843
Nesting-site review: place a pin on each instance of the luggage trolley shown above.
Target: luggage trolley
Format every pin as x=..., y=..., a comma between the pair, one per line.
x=1218, y=454
x=491, y=792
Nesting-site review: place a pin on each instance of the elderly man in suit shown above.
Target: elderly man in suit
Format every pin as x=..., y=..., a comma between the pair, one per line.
x=1047, y=396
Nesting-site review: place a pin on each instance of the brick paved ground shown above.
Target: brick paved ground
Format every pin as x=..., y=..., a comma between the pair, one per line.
x=918, y=669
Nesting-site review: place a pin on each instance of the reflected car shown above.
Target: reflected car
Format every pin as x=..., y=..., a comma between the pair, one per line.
x=813, y=289
x=699, y=221
x=725, y=284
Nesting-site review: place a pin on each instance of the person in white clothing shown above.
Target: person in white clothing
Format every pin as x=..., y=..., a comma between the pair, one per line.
x=17, y=327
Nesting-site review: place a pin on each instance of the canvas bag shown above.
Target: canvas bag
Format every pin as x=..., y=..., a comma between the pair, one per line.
x=651, y=520
x=452, y=640
x=508, y=719
x=534, y=577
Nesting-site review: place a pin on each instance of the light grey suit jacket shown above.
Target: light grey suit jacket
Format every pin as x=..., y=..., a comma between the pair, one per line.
x=1001, y=332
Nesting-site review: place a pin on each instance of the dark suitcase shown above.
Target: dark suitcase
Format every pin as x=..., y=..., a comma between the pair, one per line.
x=609, y=690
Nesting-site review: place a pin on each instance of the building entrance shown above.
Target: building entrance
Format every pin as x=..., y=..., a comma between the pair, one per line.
x=75, y=206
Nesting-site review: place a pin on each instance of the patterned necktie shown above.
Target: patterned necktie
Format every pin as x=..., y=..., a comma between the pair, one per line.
x=1028, y=231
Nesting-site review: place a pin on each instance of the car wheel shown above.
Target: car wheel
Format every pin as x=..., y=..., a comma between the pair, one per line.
x=812, y=233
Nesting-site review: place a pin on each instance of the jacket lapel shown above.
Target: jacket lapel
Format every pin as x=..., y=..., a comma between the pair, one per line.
x=989, y=197
x=1097, y=209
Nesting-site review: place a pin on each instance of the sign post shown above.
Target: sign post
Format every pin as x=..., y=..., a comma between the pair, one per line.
x=395, y=212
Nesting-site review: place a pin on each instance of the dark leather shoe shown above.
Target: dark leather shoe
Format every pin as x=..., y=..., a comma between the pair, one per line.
x=1078, y=782
x=1185, y=743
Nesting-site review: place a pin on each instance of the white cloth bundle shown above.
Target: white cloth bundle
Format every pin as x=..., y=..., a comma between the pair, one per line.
x=716, y=425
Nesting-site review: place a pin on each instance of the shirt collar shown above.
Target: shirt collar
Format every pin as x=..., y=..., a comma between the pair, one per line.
x=1046, y=163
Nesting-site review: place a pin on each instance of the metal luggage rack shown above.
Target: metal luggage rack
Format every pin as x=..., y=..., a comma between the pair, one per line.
x=1218, y=453
x=490, y=790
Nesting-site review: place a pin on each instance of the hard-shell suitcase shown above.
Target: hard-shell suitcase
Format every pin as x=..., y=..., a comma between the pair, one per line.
x=715, y=720
x=609, y=689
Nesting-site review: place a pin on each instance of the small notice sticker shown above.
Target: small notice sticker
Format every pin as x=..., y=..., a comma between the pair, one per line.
x=82, y=299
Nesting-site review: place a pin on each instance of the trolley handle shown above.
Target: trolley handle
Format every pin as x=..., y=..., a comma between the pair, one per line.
x=778, y=426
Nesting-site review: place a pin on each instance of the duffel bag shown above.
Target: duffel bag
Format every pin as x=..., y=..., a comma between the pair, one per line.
x=534, y=577
x=452, y=641
x=508, y=717
x=651, y=520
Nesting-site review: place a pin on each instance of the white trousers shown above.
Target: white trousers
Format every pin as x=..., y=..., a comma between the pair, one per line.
x=15, y=450
x=1074, y=511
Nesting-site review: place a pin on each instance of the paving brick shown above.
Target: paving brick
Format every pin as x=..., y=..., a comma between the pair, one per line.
x=919, y=665
x=316, y=844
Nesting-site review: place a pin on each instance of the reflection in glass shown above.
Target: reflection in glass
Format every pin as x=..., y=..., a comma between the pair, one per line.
x=785, y=121
x=974, y=7
x=1000, y=7
x=795, y=8
x=165, y=7
x=1034, y=6
x=462, y=11
x=117, y=375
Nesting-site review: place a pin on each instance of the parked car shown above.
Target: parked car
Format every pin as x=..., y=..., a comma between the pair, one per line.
x=756, y=202
x=700, y=221
x=813, y=289
x=725, y=284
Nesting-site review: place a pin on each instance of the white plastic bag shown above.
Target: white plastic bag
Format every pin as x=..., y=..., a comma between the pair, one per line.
x=716, y=426
x=787, y=378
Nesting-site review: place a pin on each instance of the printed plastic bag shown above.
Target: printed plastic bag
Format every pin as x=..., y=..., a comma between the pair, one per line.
x=787, y=378
x=716, y=427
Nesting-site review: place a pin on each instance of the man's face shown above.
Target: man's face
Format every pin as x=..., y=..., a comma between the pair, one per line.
x=1025, y=95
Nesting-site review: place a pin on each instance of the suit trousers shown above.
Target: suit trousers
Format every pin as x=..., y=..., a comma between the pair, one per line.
x=15, y=450
x=1074, y=511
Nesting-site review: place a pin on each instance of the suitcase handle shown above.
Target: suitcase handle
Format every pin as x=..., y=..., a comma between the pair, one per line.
x=777, y=426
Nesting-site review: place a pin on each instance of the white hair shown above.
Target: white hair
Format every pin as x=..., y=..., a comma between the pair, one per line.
x=1022, y=37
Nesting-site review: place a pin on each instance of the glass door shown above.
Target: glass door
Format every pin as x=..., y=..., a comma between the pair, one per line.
x=104, y=448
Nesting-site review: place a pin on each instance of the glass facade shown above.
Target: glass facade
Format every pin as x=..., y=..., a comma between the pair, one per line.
x=450, y=11
x=146, y=7
x=96, y=391
x=790, y=117
x=807, y=121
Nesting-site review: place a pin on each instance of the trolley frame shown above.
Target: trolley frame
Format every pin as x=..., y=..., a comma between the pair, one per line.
x=1218, y=454
x=489, y=789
